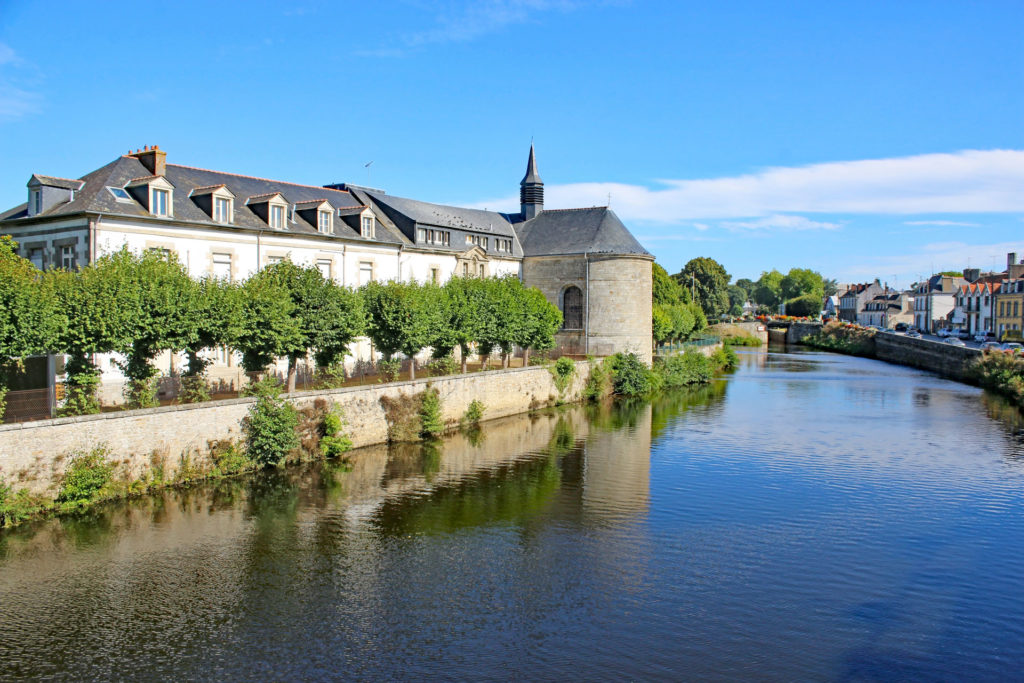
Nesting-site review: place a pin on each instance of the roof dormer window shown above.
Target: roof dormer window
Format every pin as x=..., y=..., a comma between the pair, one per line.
x=271, y=208
x=367, y=228
x=222, y=209
x=217, y=201
x=155, y=193
x=324, y=222
x=37, y=201
x=277, y=217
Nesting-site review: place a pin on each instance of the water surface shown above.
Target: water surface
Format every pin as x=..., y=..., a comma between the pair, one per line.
x=810, y=517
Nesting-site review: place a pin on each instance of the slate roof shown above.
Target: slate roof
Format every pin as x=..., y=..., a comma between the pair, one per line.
x=576, y=231
x=52, y=181
x=94, y=198
x=441, y=216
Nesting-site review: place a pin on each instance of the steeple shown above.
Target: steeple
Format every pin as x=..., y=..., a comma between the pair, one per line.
x=531, y=190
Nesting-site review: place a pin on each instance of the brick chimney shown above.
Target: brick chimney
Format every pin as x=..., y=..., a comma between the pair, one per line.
x=153, y=158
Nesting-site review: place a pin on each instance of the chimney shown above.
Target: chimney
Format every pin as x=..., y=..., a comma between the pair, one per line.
x=1011, y=259
x=153, y=158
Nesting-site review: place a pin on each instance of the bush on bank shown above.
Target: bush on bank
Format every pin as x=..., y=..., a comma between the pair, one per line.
x=629, y=376
x=1000, y=371
x=851, y=339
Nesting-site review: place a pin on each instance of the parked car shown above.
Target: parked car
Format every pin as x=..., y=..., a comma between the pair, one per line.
x=954, y=341
x=913, y=333
x=901, y=327
x=964, y=335
x=1016, y=347
x=991, y=346
x=984, y=337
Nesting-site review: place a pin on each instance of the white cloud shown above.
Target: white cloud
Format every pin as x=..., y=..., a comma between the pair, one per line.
x=944, y=223
x=7, y=55
x=701, y=226
x=970, y=181
x=474, y=19
x=781, y=222
x=937, y=256
x=15, y=101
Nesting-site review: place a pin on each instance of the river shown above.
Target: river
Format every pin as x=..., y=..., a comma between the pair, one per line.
x=808, y=517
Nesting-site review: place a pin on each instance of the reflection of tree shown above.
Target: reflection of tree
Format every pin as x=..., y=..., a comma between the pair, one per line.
x=511, y=492
x=670, y=405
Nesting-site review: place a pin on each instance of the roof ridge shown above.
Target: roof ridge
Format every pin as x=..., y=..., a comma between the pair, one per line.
x=579, y=208
x=57, y=177
x=254, y=177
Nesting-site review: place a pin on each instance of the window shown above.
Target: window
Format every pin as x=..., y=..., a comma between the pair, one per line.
x=482, y=271
x=368, y=227
x=365, y=273
x=161, y=251
x=120, y=194
x=324, y=222
x=421, y=235
x=276, y=217
x=324, y=266
x=572, y=309
x=435, y=275
x=36, y=257
x=222, y=210
x=37, y=201
x=160, y=198
x=271, y=260
x=465, y=270
x=222, y=266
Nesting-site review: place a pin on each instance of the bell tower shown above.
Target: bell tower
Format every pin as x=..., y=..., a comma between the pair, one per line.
x=531, y=190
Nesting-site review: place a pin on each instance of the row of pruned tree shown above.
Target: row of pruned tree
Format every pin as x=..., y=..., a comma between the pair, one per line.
x=674, y=316
x=139, y=305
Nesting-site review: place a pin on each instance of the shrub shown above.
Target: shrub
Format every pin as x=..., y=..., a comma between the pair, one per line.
x=16, y=507
x=691, y=367
x=194, y=389
x=331, y=376
x=630, y=377
x=431, y=424
x=141, y=393
x=446, y=365
x=270, y=425
x=1001, y=372
x=562, y=372
x=474, y=413
x=389, y=369
x=724, y=359
x=87, y=474
x=742, y=340
x=851, y=339
x=597, y=381
x=334, y=442
x=228, y=459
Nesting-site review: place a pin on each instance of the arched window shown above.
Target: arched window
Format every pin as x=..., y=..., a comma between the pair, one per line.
x=572, y=309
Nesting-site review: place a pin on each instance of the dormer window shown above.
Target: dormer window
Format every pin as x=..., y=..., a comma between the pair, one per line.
x=367, y=227
x=221, y=210
x=155, y=193
x=324, y=221
x=46, y=192
x=37, y=201
x=160, y=201
x=271, y=208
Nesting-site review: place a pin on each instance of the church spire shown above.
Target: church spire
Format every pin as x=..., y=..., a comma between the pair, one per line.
x=531, y=190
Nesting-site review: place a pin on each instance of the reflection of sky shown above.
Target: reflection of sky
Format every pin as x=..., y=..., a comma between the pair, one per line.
x=811, y=517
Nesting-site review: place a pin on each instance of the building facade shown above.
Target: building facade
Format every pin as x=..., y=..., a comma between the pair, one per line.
x=229, y=226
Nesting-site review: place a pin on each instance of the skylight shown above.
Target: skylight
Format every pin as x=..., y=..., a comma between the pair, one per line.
x=120, y=194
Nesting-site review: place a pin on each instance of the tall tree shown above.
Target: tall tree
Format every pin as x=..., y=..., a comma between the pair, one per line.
x=29, y=317
x=329, y=317
x=665, y=290
x=462, y=305
x=737, y=297
x=542, y=322
x=216, y=321
x=268, y=326
x=709, y=282
x=748, y=286
x=802, y=282
x=768, y=292
x=402, y=317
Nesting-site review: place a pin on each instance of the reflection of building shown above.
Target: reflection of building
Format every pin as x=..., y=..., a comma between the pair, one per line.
x=617, y=467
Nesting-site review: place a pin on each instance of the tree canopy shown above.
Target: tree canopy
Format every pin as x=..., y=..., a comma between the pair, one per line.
x=710, y=282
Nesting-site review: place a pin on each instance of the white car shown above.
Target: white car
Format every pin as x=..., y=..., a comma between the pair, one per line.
x=954, y=341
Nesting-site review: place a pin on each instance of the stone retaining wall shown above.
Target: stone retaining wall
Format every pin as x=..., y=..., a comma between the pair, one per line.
x=945, y=359
x=34, y=455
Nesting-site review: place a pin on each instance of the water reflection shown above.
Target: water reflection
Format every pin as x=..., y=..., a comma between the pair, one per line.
x=809, y=517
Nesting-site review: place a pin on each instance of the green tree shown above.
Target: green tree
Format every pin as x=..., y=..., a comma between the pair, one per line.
x=800, y=282
x=710, y=282
x=543, y=320
x=29, y=317
x=329, y=316
x=505, y=315
x=806, y=305
x=461, y=306
x=768, y=292
x=216, y=320
x=665, y=290
x=737, y=297
x=661, y=324
x=268, y=325
x=831, y=287
x=98, y=320
x=748, y=287
x=402, y=317
x=155, y=292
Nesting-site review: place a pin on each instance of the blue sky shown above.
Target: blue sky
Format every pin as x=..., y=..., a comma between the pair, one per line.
x=862, y=139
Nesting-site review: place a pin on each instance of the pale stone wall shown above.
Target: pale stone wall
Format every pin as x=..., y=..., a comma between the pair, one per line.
x=34, y=454
x=616, y=298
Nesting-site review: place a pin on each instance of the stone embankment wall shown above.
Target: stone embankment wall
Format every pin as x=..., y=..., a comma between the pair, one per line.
x=944, y=359
x=797, y=332
x=746, y=329
x=34, y=455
